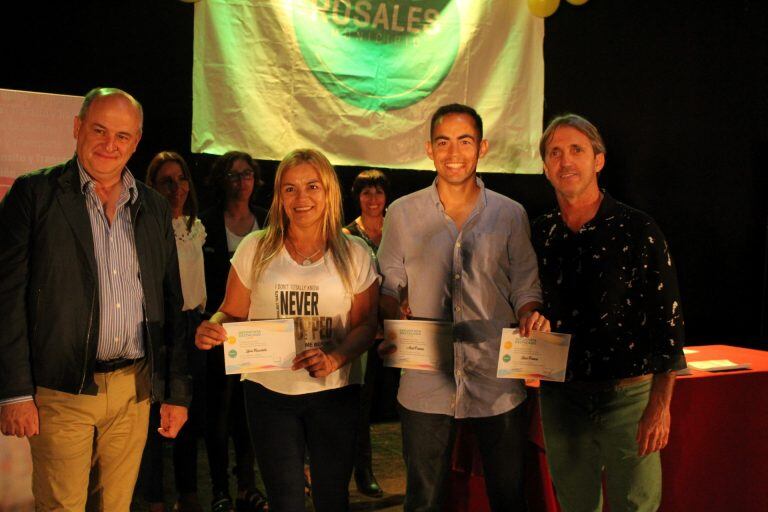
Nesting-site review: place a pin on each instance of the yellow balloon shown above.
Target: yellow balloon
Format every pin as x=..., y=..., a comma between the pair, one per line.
x=543, y=8
x=577, y=2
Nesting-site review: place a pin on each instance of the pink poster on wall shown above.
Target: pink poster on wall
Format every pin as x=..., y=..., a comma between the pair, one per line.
x=35, y=131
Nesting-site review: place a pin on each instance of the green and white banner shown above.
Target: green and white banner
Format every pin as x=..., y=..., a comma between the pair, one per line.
x=359, y=79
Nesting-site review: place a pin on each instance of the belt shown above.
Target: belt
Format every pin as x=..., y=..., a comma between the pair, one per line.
x=114, y=364
x=604, y=385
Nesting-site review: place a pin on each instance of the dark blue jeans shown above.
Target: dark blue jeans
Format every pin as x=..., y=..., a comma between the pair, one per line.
x=225, y=417
x=427, y=445
x=283, y=426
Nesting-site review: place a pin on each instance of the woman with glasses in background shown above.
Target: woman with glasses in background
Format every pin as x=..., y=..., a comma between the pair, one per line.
x=235, y=179
x=168, y=174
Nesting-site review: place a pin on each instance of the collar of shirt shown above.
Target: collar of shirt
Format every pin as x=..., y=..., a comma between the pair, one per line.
x=481, y=203
x=606, y=209
x=129, y=182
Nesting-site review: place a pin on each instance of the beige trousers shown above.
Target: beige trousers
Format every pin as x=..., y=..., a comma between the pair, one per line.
x=88, y=452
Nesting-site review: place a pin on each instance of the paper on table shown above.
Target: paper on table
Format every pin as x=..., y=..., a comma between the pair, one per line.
x=719, y=365
x=259, y=346
x=543, y=355
x=421, y=344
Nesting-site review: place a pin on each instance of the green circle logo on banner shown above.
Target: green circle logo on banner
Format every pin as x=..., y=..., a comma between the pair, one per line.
x=381, y=55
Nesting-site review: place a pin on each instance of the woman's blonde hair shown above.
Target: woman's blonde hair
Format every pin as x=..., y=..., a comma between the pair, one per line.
x=273, y=237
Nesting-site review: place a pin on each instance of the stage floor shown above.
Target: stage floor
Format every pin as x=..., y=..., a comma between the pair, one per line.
x=387, y=466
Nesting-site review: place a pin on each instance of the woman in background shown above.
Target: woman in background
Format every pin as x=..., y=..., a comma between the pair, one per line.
x=371, y=190
x=168, y=174
x=314, y=405
x=235, y=179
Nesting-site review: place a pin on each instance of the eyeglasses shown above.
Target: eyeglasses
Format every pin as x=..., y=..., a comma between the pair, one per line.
x=237, y=176
x=170, y=183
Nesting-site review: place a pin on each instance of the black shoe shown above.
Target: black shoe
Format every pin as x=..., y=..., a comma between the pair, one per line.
x=221, y=503
x=253, y=501
x=367, y=484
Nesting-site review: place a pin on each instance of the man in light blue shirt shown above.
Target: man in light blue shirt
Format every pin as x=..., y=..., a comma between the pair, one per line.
x=464, y=254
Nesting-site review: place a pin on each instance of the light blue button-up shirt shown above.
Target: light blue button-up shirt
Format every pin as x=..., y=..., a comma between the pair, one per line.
x=477, y=278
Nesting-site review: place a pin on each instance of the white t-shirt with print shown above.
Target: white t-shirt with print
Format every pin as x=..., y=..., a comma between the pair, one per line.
x=314, y=293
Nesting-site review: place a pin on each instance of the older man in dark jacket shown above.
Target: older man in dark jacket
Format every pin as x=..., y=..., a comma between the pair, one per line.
x=89, y=289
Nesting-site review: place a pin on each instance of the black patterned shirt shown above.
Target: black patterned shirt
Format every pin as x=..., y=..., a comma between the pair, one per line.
x=613, y=286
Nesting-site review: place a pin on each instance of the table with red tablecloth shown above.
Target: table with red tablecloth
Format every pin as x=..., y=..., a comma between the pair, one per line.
x=716, y=459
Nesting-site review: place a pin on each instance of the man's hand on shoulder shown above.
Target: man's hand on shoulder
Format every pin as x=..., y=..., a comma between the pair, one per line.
x=172, y=418
x=20, y=419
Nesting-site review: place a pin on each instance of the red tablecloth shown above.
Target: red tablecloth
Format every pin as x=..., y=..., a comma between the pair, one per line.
x=716, y=459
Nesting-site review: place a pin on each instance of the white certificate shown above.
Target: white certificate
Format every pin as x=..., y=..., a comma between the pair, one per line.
x=719, y=365
x=543, y=355
x=259, y=346
x=421, y=345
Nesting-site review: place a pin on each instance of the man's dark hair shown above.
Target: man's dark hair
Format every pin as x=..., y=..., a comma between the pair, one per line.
x=456, y=108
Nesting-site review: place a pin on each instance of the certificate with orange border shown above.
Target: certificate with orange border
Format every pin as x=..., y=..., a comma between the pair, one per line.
x=421, y=345
x=259, y=346
x=542, y=355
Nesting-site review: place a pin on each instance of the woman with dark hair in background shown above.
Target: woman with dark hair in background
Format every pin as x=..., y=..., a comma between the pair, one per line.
x=168, y=174
x=371, y=190
x=235, y=179
x=314, y=405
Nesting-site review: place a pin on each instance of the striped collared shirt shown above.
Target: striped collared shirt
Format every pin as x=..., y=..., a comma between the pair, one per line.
x=121, y=314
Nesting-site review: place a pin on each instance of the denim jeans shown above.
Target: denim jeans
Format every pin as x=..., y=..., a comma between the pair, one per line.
x=283, y=426
x=427, y=445
x=225, y=417
x=588, y=431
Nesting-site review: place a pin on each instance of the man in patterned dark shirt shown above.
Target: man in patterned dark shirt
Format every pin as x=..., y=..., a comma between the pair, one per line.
x=608, y=279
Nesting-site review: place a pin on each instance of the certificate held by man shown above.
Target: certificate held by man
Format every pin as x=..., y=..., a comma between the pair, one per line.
x=259, y=346
x=542, y=355
x=421, y=345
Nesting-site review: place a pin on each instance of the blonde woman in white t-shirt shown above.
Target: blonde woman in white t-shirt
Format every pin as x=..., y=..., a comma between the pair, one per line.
x=303, y=266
